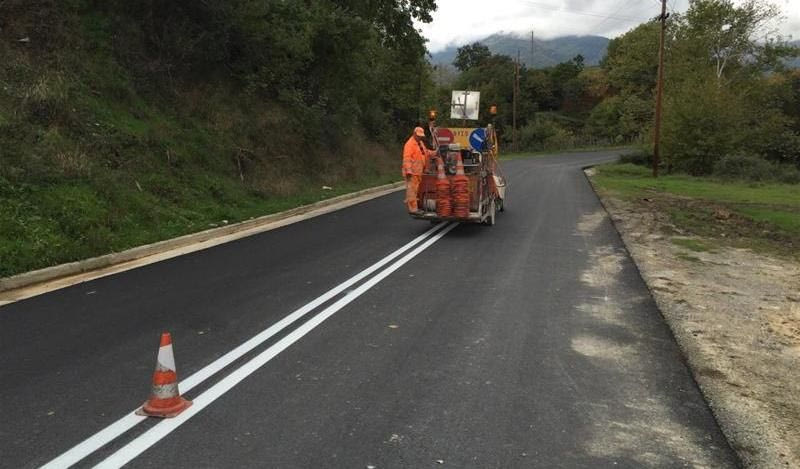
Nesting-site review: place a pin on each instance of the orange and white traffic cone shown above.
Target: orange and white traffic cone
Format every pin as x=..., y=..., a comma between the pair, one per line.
x=460, y=191
x=165, y=400
x=443, y=202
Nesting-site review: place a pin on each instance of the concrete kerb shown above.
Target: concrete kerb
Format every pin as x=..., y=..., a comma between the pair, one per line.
x=78, y=267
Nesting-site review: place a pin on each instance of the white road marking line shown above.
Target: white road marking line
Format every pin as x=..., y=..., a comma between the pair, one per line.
x=165, y=427
x=111, y=432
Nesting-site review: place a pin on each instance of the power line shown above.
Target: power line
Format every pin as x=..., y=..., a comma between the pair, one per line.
x=621, y=7
x=582, y=12
x=596, y=28
x=672, y=7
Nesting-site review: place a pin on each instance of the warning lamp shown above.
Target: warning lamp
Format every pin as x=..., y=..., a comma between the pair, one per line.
x=432, y=114
x=493, y=110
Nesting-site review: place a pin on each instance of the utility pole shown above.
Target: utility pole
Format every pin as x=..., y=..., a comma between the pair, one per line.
x=532, y=49
x=419, y=95
x=659, y=91
x=514, y=112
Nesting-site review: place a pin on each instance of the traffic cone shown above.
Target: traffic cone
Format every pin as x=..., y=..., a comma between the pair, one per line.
x=165, y=400
x=460, y=191
x=443, y=203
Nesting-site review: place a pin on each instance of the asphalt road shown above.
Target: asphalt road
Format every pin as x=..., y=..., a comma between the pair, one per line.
x=533, y=343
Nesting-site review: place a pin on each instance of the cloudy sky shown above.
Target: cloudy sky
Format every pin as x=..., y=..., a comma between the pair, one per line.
x=462, y=21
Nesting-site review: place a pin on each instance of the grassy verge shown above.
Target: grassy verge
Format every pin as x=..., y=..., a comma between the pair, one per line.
x=763, y=217
x=66, y=222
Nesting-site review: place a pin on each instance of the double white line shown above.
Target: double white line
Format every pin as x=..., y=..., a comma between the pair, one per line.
x=163, y=428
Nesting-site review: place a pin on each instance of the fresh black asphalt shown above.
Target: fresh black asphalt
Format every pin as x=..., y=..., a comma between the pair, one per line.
x=496, y=347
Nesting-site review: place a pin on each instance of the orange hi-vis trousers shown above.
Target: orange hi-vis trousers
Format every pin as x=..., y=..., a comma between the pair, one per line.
x=412, y=187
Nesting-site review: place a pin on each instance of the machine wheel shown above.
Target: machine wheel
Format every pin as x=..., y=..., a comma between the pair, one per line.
x=502, y=207
x=492, y=213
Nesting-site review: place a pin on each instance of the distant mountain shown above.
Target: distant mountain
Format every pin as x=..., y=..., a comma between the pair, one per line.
x=545, y=52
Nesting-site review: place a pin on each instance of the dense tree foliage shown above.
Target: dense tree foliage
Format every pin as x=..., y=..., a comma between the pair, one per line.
x=332, y=61
x=725, y=86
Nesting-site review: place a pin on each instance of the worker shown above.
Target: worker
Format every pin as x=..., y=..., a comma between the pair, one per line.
x=414, y=156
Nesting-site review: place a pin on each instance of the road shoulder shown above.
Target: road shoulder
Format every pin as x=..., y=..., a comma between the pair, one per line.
x=736, y=316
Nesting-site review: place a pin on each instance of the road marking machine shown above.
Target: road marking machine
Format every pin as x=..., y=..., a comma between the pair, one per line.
x=463, y=181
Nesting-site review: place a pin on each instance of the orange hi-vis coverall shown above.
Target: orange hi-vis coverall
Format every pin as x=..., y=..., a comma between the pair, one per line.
x=414, y=155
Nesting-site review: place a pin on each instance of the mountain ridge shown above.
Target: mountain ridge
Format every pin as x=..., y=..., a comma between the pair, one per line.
x=545, y=53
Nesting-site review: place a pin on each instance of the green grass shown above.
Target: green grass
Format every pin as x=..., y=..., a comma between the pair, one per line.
x=66, y=222
x=633, y=181
x=760, y=216
x=785, y=220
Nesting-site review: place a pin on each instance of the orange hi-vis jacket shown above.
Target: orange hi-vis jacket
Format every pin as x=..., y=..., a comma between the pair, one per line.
x=414, y=154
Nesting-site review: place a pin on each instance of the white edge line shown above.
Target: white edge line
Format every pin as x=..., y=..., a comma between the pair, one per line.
x=113, y=431
x=165, y=427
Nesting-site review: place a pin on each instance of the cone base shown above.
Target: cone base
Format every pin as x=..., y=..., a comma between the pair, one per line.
x=149, y=410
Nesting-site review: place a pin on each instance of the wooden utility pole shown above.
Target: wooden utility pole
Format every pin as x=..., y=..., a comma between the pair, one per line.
x=532, y=49
x=514, y=112
x=659, y=91
x=419, y=95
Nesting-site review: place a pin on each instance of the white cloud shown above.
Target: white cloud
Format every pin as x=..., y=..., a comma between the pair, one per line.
x=462, y=21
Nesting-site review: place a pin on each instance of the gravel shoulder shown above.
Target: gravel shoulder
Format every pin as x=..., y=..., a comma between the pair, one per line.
x=736, y=315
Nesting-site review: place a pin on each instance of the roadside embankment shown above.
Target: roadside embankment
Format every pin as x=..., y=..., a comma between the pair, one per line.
x=123, y=126
x=721, y=262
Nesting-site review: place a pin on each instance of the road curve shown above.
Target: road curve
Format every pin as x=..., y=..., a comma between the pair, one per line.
x=533, y=343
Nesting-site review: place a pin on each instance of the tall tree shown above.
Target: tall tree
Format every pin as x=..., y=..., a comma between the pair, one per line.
x=731, y=37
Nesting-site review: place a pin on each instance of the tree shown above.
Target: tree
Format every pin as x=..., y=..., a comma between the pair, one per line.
x=471, y=56
x=720, y=101
x=729, y=36
x=632, y=61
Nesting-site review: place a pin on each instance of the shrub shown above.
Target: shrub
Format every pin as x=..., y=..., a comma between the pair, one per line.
x=641, y=156
x=744, y=167
x=789, y=174
x=754, y=168
x=545, y=135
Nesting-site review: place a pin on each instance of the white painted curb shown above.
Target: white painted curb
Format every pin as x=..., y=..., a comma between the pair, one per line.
x=108, y=260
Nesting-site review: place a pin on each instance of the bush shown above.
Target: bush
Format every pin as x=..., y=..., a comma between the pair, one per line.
x=788, y=174
x=744, y=167
x=754, y=168
x=545, y=135
x=641, y=157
